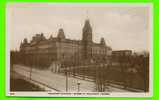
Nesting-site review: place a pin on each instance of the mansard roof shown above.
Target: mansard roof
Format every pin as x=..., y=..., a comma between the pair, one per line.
x=61, y=34
x=87, y=27
x=40, y=38
x=102, y=41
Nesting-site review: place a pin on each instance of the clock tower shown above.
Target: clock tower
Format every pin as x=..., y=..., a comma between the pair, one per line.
x=87, y=40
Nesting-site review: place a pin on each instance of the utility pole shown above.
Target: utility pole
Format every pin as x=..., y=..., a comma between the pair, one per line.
x=31, y=68
x=66, y=79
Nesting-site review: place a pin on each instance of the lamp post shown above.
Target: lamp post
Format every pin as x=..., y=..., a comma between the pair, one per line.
x=78, y=84
x=30, y=72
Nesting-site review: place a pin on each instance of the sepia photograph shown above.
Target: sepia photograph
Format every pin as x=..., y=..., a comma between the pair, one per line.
x=79, y=50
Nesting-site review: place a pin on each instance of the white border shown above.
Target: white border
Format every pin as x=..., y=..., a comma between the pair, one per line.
x=114, y=94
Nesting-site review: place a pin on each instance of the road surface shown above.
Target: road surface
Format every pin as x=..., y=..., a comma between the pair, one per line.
x=58, y=81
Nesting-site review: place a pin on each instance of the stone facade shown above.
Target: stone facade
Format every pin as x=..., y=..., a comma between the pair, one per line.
x=62, y=49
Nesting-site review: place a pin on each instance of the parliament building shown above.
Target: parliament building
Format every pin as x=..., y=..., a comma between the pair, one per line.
x=62, y=49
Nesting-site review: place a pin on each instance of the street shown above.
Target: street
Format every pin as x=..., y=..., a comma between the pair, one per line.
x=58, y=81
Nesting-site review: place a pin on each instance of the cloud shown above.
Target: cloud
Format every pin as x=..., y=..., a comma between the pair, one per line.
x=122, y=27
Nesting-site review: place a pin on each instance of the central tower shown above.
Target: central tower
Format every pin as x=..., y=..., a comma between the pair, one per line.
x=87, y=40
x=87, y=32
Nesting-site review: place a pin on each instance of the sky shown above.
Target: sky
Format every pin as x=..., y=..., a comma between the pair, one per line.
x=122, y=26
